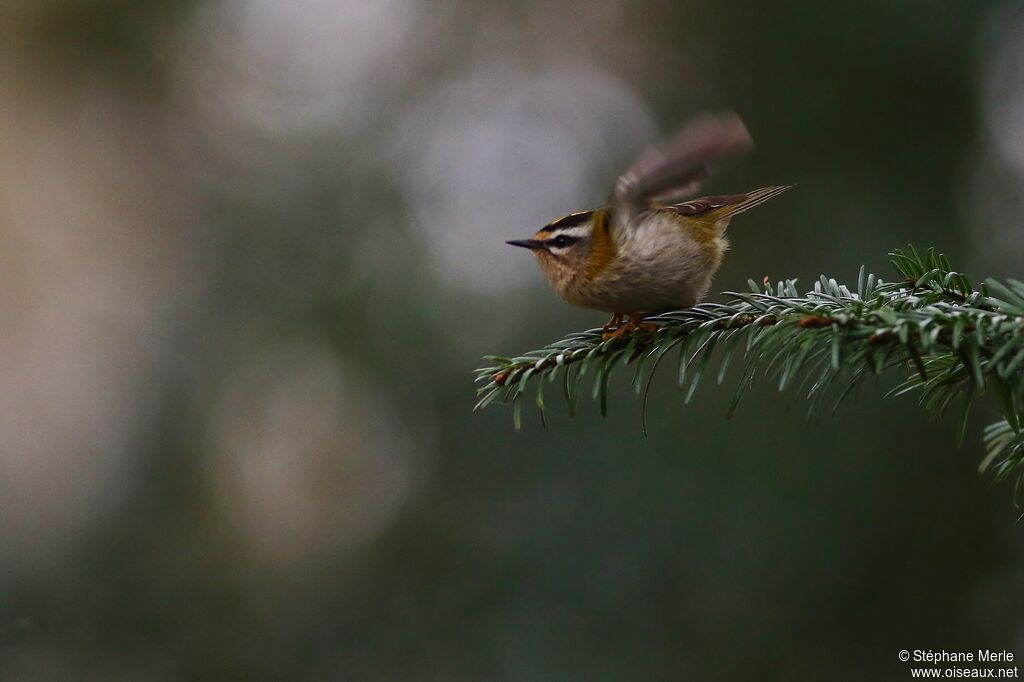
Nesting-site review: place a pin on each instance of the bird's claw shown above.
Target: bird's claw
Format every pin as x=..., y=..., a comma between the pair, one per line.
x=614, y=328
x=610, y=334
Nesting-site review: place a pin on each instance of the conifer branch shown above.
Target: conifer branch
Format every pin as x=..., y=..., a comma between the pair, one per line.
x=949, y=341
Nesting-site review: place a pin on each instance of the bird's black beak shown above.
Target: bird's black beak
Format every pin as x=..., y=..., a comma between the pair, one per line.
x=531, y=244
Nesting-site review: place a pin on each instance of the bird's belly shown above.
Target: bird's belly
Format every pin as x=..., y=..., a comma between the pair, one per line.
x=659, y=269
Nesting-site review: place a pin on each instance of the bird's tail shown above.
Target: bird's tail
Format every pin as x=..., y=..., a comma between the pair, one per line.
x=745, y=202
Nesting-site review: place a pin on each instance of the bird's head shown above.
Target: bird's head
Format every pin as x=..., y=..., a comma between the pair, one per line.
x=564, y=247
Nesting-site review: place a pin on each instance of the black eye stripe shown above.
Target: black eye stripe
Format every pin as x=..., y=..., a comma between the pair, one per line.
x=561, y=241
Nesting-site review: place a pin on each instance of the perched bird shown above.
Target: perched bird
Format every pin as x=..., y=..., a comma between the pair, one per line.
x=642, y=254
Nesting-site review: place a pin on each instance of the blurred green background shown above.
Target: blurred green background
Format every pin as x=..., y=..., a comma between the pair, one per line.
x=250, y=252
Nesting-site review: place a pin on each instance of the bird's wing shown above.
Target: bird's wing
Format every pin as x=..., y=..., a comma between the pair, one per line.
x=680, y=166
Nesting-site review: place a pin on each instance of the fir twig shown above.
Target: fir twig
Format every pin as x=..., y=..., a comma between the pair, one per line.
x=948, y=340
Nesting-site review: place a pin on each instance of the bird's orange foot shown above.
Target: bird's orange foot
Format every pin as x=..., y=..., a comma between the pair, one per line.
x=615, y=333
x=612, y=328
x=633, y=324
x=636, y=325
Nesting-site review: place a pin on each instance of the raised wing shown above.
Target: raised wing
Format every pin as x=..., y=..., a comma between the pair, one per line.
x=680, y=166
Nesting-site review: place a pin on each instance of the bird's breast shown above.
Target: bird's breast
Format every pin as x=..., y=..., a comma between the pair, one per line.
x=660, y=262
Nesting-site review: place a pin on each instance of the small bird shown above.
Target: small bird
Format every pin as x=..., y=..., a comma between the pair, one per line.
x=640, y=253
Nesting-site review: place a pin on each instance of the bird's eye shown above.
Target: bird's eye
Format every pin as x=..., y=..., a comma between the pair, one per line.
x=561, y=241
